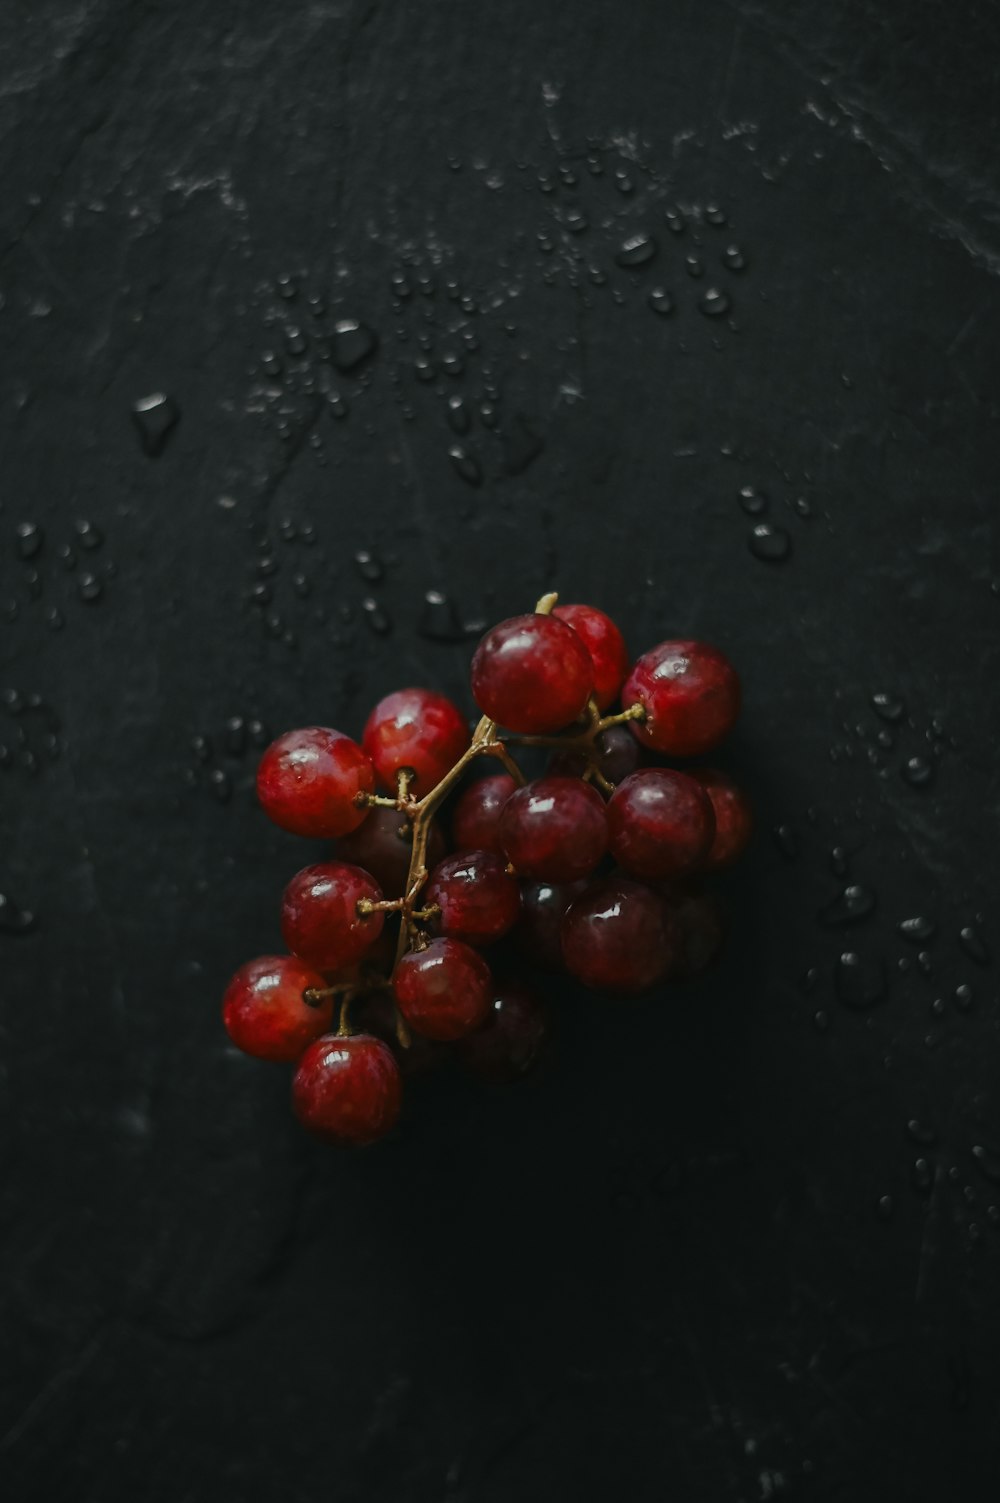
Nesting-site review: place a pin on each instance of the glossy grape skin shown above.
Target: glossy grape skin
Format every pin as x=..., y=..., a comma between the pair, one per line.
x=383, y=847
x=479, y=900
x=660, y=824
x=475, y=822
x=532, y=674
x=319, y=918
x=690, y=693
x=699, y=932
x=539, y=929
x=264, y=1010
x=509, y=1042
x=618, y=755
x=555, y=829
x=733, y=818
x=618, y=936
x=606, y=646
x=347, y=1090
x=376, y=1013
x=419, y=729
x=308, y=779
x=443, y=991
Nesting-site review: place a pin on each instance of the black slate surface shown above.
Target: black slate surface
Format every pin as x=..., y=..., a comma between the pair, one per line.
x=739, y=1242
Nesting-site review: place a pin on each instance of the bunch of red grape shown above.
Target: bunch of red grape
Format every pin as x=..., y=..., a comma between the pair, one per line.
x=594, y=868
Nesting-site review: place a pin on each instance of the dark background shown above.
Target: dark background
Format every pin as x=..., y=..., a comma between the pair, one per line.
x=740, y=1241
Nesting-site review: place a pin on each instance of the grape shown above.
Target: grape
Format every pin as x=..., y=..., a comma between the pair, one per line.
x=606, y=646
x=691, y=696
x=347, y=1090
x=443, y=991
x=475, y=824
x=555, y=829
x=508, y=1043
x=699, y=933
x=660, y=823
x=419, y=729
x=478, y=898
x=319, y=918
x=532, y=674
x=308, y=780
x=618, y=935
x=618, y=754
x=538, y=933
x=733, y=818
x=383, y=846
x=264, y=1010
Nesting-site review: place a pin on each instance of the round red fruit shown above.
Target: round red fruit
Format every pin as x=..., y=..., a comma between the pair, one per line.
x=418, y=729
x=661, y=824
x=478, y=898
x=532, y=674
x=308, y=781
x=475, y=824
x=543, y=907
x=618, y=936
x=618, y=754
x=383, y=846
x=555, y=829
x=265, y=1011
x=347, y=1089
x=606, y=645
x=733, y=818
x=509, y=1042
x=690, y=693
x=320, y=921
x=443, y=991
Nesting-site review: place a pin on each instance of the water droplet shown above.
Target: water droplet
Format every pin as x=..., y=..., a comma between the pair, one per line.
x=576, y=221
x=769, y=543
x=988, y=1161
x=439, y=621
x=964, y=996
x=938, y=1007
x=266, y=566
x=30, y=538
x=301, y=585
x=917, y=929
x=974, y=945
x=221, y=785
x=90, y=588
x=352, y=342
x=885, y=1207
x=922, y=1176
x=809, y=981
x=452, y=363
x=459, y=417
x=155, y=417
x=787, y=841
x=424, y=369
x=520, y=445
x=14, y=920
x=924, y=962
x=839, y=863
x=917, y=771
x=258, y=733
x=821, y=1020
x=236, y=736
x=87, y=535
x=466, y=464
x=202, y=748
x=338, y=405
x=54, y=618
x=752, y=500
x=638, y=250
x=13, y=701
x=370, y=566
x=733, y=258
x=661, y=302
x=295, y=340
x=860, y=980
x=920, y=1133
x=376, y=616
x=802, y=506
x=888, y=707
x=674, y=221
x=850, y=906
x=714, y=303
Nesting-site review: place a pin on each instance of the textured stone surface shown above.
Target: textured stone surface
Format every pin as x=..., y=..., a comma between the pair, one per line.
x=704, y=1255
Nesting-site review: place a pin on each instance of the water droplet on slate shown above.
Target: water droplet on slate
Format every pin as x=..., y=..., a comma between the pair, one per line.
x=988, y=1162
x=924, y=962
x=888, y=707
x=839, y=864
x=921, y=1176
x=377, y=618
x=920, y=1133
x=90, y=588
x=576, y=221
x=885, y=1207
x=13, y=701
x=30, y=538
x=851, y=906
x=769, y=543
x=787, y=841
x=660, y=301
x=88, y=536
x=221, y=785
x=459, y=417
x=439, y=621
x=964, y=996
x=466, y=464
x=266, y=566
x=860, y=980
x=520, y=445
x=488, y=415
x=637, y=250
x=809, y=981
x=674, y=221
x=55, y=618
x=937, y=1007
x=734, y=258
x=301, y=585
x=917, y=929
x=270, y=364
x=974, y=945
x=260, y=594
x=14, y=920
x=258, y=733
x=694, y=265
x=714, y=303
x=370, y=566
x=295, y=340
x=752, y=500
x=821, y=1020
x=802, y=506
x=885, y=739
x=424, y=369
x=917, y=771
x=352, y=342
x=155, y=417
x=202, y=748
x=236, y=736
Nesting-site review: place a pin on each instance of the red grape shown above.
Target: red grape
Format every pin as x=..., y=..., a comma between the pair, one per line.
x=543, y=906
x=478, y=898
x=606, y=647
x=660, y=823
x=699, y=933
x=532, y=674
x=443, y=991
x=347, y=1089
x=308, y=780
x=376, y=1013
x=383, y=846
x=733, y=817
x=508, y=1044
x=618, y=754
x=475, y=824
x=419, y=729
x=319, y=917
x=618, y=935
x=264, y=1010
x=555, y=829
x=690, y=693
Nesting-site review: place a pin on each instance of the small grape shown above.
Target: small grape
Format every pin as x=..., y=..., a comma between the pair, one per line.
x=475, y=823
x=443, y=991
x=308, y=780
x=660, y=823
x=618, y=754
x=509, y=1042
x=347, y=1090
x=383, y=846
x=555, y=829
x=320, y=922
x=532, y=674
x=265, y=1011
x=733, y=818
x=478, y=898
x=606, y=646
x=418, y=729
x=690, y=694
x=538, y=932
x=618, y=936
